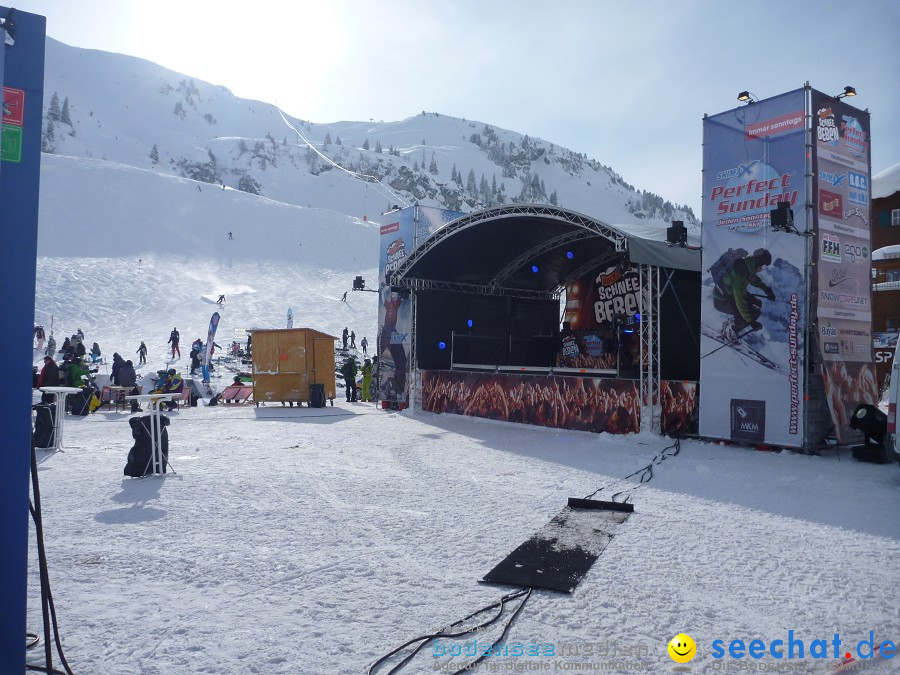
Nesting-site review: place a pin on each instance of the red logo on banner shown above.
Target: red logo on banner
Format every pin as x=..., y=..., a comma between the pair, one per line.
x=830, y=204
x=13, y=106
x=387, y=229
x=777, y=125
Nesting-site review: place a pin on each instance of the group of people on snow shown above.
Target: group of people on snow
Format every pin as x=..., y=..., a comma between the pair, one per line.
x=350, y=371
x=364, y=343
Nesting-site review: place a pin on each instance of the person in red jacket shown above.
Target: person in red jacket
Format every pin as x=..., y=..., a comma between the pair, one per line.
x=49, y=377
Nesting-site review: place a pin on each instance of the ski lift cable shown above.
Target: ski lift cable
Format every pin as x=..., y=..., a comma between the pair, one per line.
x=367, y=178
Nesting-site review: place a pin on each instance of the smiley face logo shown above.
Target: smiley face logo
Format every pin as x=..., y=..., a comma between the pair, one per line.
x=682, y=648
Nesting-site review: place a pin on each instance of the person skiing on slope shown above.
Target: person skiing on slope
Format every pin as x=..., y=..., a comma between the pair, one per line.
x=142, y=352
x=732, y=296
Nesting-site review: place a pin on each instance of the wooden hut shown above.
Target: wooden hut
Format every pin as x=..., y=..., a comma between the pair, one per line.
x=286, y=361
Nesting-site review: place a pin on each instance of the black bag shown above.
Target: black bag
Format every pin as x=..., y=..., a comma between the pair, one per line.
x=139, y=460
x=43, y=426
x=317, y=396
x=81, y=402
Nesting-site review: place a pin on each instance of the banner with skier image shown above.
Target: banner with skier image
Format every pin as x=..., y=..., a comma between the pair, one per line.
x=753, y=296
x=394, y=307
x=401, y=231
x=841, y=170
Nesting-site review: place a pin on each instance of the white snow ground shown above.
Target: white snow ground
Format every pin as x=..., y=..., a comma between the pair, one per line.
x=314, y=541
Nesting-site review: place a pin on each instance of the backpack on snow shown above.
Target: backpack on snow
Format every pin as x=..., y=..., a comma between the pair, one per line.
x=725, y=263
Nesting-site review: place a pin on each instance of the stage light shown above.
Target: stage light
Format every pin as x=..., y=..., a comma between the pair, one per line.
x=628, y=330
x=782, y=218
x=677, y=233
x=570, y=255
x=871, y=422
x=848, y=91
x=469, y=323
x=746, y=97
x=442, y=345
x=534, y=268
x=637, y=317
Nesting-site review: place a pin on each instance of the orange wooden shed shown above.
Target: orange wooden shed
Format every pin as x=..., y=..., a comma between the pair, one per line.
x=287, y=360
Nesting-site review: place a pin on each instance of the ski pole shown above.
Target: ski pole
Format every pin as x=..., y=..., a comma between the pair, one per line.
x=741, y=334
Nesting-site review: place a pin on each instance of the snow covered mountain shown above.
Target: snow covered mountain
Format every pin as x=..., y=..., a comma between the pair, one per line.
x=159, y=192
x=129, y=111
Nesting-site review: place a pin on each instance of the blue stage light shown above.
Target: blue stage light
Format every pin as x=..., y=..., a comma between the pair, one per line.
x=629, y=330
x=570, y=255
x=534, y=268
x=637, y=317
x=442, y=345
x=469, y=323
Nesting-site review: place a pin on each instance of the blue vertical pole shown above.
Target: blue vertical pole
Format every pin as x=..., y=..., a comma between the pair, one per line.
x=20, y=166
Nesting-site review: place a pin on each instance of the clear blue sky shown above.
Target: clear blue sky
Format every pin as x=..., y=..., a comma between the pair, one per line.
x=625, y=82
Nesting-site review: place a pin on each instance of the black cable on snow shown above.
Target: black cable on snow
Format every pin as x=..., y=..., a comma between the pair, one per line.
x=426, y=639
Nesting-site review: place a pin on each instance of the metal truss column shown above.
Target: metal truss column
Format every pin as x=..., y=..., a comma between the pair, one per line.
x=651, y=402
x=415, y=375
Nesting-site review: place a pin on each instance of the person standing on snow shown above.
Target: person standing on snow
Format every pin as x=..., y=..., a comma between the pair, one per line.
x=39, y=336
x=367, y=379
x=349, y=373
x=364, y=343
x=732, y=295
x=128, y=378
x=344, y=336
x=353, y=339
x=174, y=336
x=49, y=377
x=142, y=353
x=117, y=364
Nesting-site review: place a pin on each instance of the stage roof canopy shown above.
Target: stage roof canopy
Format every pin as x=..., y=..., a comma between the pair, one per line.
x=535, y=248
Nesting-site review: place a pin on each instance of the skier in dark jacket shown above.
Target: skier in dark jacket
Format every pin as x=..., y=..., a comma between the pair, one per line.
x=51, y=347
x=174, y=336
x=195, y=360
x=349, y=373
x=117, y=364
x=142, y=353
x=732, y=295
x=128, y=378
x=95, y=353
